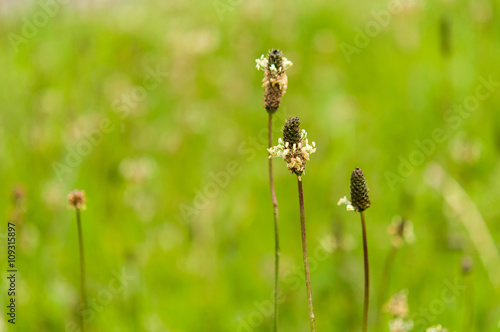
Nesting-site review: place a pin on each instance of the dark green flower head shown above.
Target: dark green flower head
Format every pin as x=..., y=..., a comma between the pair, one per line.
x=275, y=57
x=291, y=131
x=359, y=191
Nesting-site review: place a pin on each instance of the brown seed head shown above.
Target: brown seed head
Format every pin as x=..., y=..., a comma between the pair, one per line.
x=76, y=200
x=275, y=80
x=359, y=191
x=272, y=98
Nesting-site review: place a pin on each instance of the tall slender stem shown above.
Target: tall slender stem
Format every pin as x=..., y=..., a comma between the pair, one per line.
x=82, y=269
x=304, y=253
x=386, y=276
x=367, y=274
x=276, y=227
x=469, y=303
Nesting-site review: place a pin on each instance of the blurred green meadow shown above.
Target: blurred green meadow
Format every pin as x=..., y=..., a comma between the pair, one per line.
x=155, y=110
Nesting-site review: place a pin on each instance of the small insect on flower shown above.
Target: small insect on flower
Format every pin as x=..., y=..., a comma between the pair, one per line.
x=294, y=148
x=76, y=200
x=275, y=80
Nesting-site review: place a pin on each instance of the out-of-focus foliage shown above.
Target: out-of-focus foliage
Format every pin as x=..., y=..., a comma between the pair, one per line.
x=155, y=110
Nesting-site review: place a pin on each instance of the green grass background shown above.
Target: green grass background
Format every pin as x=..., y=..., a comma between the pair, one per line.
x=207, y=271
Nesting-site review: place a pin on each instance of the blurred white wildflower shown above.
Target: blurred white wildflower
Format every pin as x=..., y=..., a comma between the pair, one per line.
x=398, y=304
x=437, y=328
x=465, y=150
x=401, y=231
x=400, y=325
x=338, y=242
x=397, y=307
x=137, y=170
x=51, y=193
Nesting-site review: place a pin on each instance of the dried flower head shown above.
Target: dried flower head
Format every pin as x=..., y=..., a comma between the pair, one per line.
x=397, y=307
x=294, y=148
x=275, y=80
x=359, y=191
x=401, y=231
x=18, y=194
x=398, y=304
x=467, y=264
x=76, y=200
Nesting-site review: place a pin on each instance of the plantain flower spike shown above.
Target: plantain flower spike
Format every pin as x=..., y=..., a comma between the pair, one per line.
x=359, y=191
x=294, y=148
x=275, y=80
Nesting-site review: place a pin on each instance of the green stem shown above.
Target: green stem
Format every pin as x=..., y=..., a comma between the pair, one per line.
x=304, y=253
x=276, y=226
x=367, y=274
x=82, y=269
x=469, y=303
x=386, y=276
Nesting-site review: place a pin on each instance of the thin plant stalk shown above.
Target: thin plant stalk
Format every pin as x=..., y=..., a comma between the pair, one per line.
x=360, y=201
x=469, y=303
x=275, y=81
x=276, y=227
x=304, y=253
x=82, y=268
x=367, y=274
x=386, y=275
